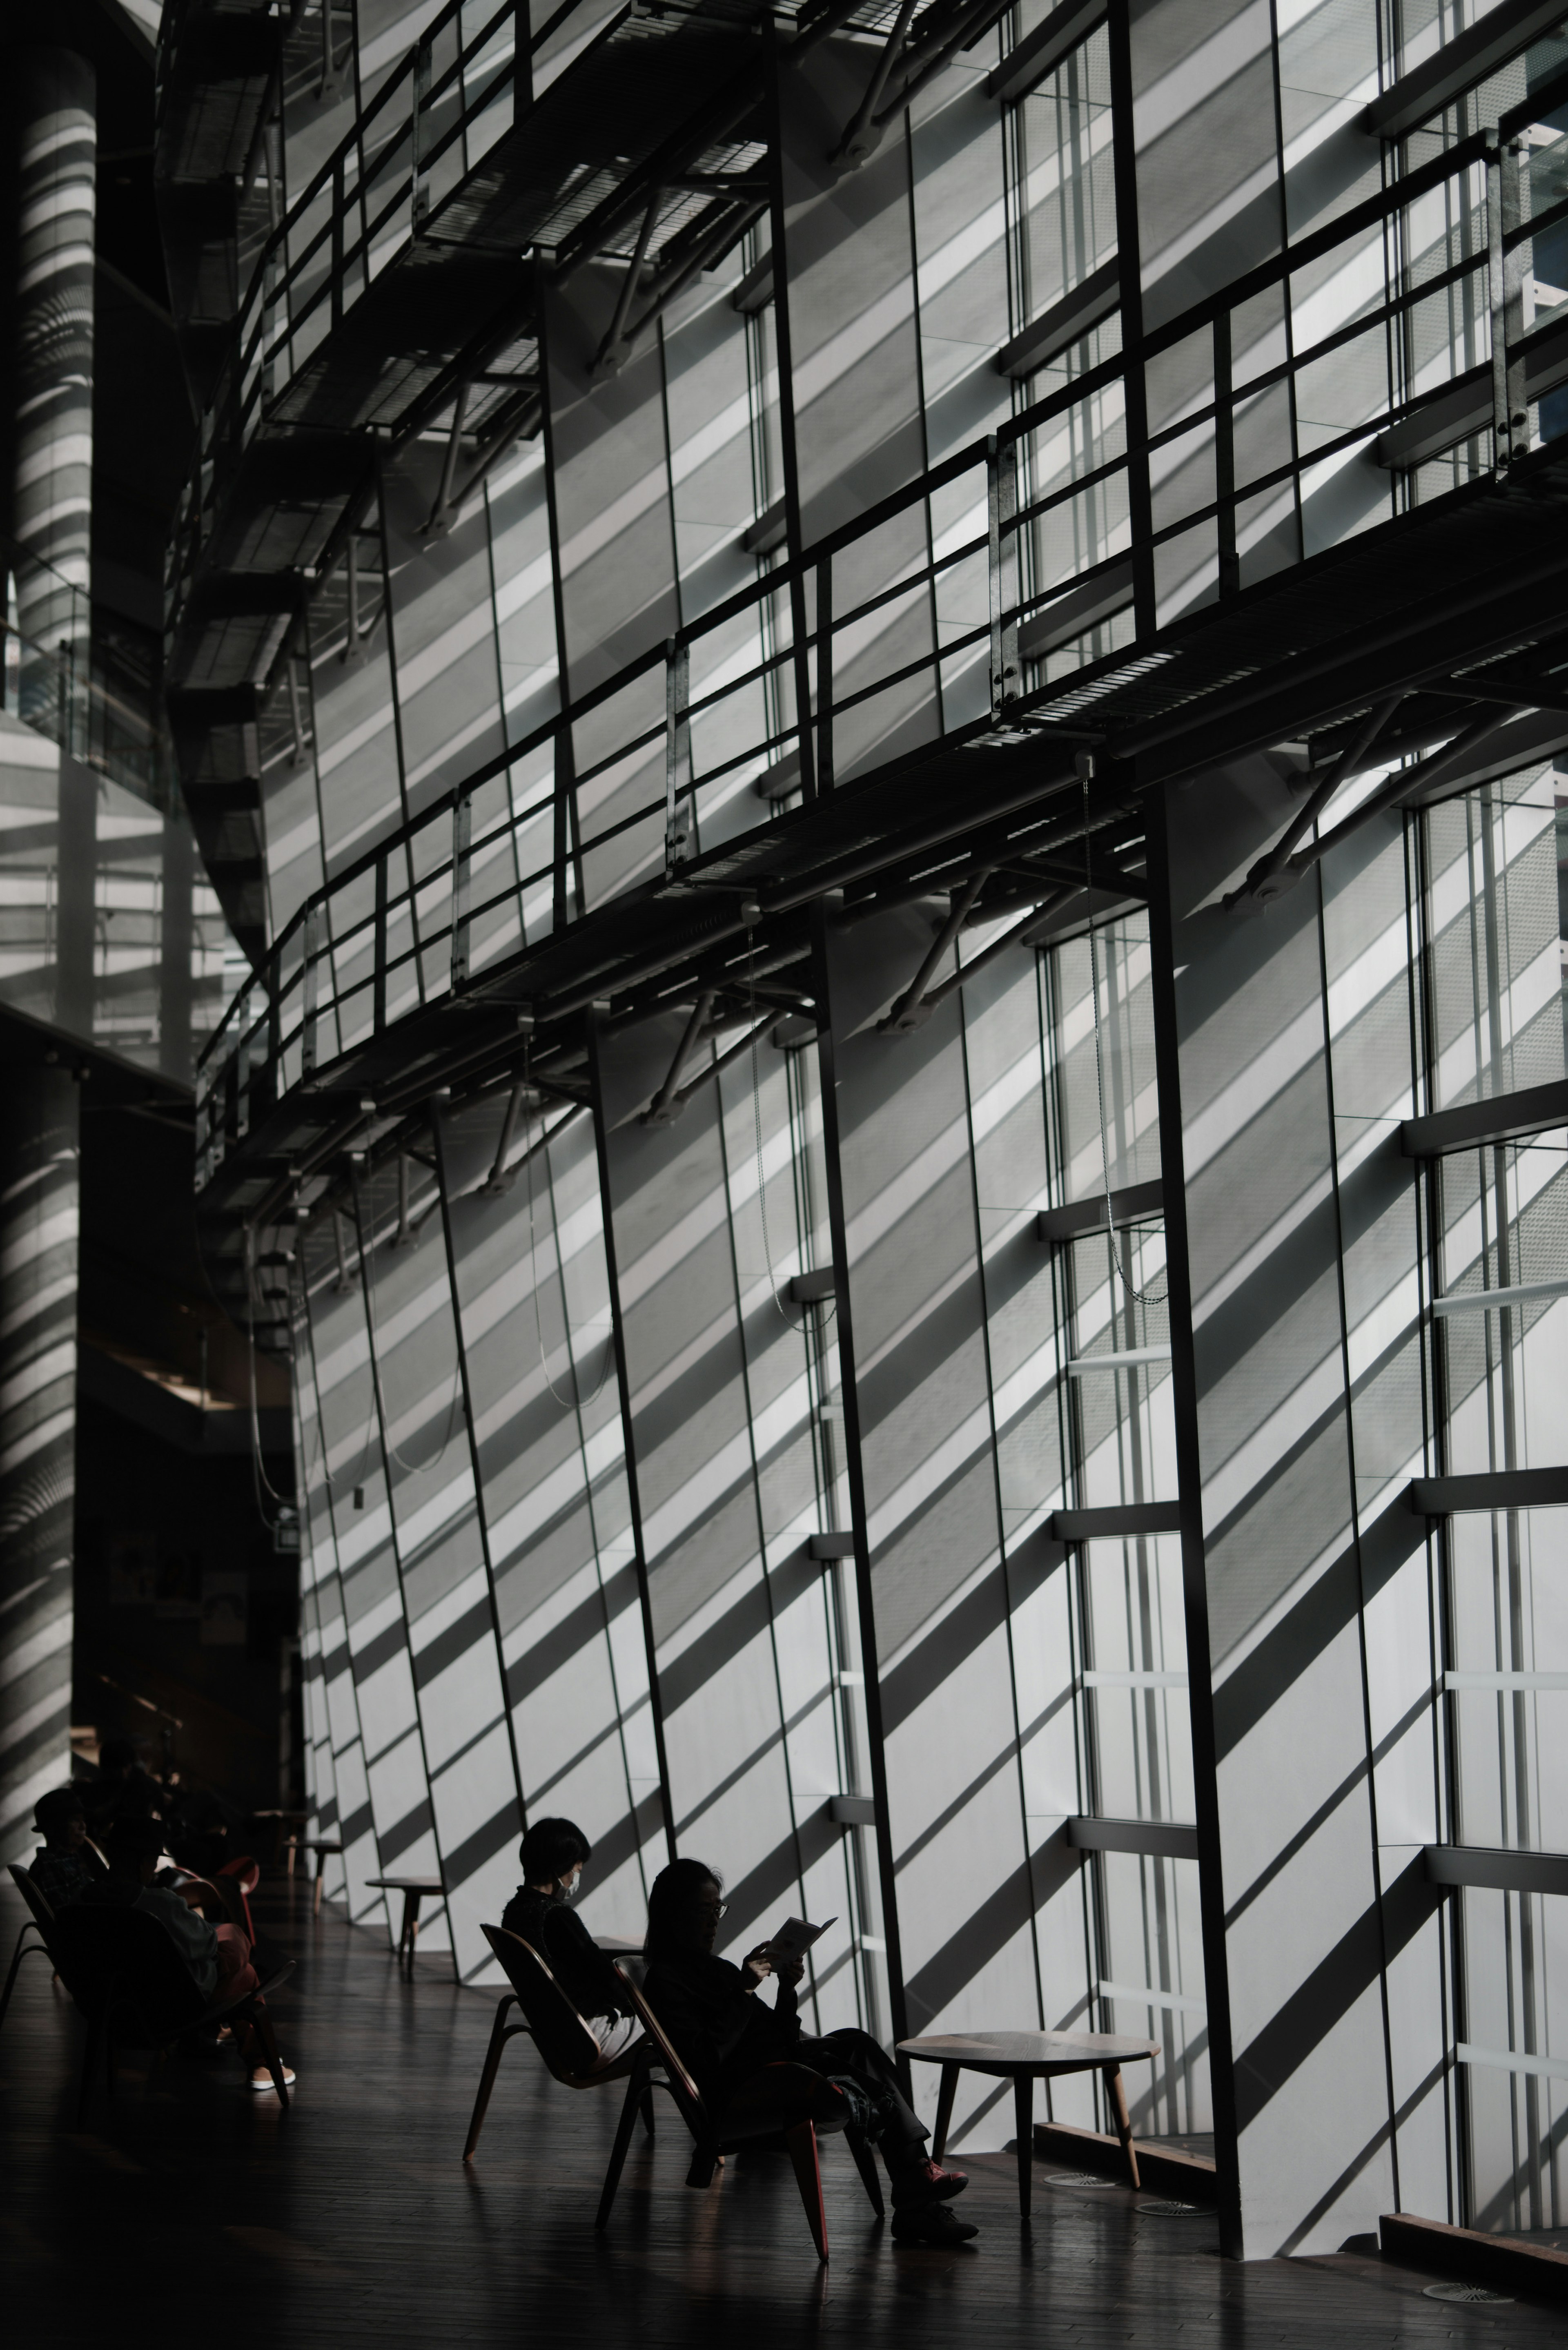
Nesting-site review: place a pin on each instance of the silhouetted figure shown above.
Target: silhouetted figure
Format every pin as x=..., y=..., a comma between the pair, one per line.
x=726, y=2035
x=212, y=1954
x=65, y=1864
x=552, y=1855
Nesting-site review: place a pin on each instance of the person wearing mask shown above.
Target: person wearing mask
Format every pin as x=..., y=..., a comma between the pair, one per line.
x=214, y=1956
x=65, y=1864
x=725, y=2036
x=552, y=1855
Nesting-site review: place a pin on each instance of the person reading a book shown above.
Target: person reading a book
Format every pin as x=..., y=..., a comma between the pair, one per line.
x=552, y=1855
x=725, y=2036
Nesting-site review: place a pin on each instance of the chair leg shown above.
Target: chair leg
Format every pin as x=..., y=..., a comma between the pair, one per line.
x=866, y=2164
x=262, y=2023
x=1024, y=2120
x=704, y=2164
x=1115, y=2091
x=96, y=2035
x=801, y=2141
x=648, y=2112
x=634, y=2092
x=320, y=1879
x=945, y=2096
x=498, y=2037
x=21, y=1952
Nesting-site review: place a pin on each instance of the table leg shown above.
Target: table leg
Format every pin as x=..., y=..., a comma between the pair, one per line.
x=945, y=2096
x=320, y=1874
x=1116, y=2093
x=1024, y=2118
x=411, y=1928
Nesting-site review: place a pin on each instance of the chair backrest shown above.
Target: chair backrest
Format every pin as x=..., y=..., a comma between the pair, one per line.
x=105, y=1952
x=563, y=2039
x=43, y=1916
x=682, y=2087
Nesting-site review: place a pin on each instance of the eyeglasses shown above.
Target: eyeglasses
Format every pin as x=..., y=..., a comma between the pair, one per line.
x=711, y=1908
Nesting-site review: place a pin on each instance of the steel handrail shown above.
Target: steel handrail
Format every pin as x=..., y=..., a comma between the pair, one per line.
x=1344, y=230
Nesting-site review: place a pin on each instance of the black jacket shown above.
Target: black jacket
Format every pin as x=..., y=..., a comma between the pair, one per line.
x=723, y=2032
x=553, y=1928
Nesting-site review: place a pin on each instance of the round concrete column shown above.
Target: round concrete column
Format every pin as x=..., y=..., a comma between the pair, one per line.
x=39, y=1110
x=50, y=111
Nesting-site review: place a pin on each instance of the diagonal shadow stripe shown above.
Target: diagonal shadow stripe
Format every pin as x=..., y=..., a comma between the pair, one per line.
x=961, y=1631
x=984, y=1932
x=388, y=1643
x=459, y=1862
x=586, y=1622
x=626, y=1836
x=708, y=1657
x=1246, y=1696
x=1310, y=2013
x=404, y=1833
x=448, y=1647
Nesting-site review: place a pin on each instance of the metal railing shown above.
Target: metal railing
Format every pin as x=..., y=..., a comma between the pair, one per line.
x=540, y=834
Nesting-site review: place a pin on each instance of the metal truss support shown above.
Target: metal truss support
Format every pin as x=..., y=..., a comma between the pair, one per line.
x=1275, y=873
x=911, y=1011
x=439, y=520
x=1399, y=788
x=666, y=1105
x=863, y=134
x=616, y=349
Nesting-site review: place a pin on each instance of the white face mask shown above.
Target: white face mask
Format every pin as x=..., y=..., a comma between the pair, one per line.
x=566, y=1886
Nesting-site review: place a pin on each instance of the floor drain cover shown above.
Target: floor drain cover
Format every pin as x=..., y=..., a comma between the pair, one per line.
x=1163, y=2210
x=1074, y=2178
x=1465, y=2293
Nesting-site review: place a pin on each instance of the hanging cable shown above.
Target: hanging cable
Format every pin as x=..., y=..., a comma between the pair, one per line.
x=575, y=1402
x=1140, y=1296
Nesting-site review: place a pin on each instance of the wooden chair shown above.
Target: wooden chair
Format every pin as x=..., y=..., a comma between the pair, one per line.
x=127, y=1978
x=568, y=2048
x=42, y=1917
x=792, y=2107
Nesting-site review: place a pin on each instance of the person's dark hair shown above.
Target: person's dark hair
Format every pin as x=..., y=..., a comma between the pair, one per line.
x=129, y=1843
x=669, y=1900
x=550, y=1848
x=51, y=1812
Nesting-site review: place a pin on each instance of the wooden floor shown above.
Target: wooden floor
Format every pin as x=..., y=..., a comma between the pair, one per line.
x=195, y=2213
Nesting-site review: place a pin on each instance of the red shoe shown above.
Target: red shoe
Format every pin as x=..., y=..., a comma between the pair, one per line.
x=928, y=2182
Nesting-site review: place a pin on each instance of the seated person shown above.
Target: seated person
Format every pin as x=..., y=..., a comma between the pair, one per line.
x=65, y=1864
x=214, y=1955
x=725, y=2036
x=551, y=1853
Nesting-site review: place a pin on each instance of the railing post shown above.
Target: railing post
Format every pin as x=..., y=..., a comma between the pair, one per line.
x=379, y=984
x=308, y=989
x=825, y=674
x=337, y=207
x=677, y=754
x=1225, y=459
x=1000, y=506
x=1505, y=196
x=462, y=834
x=242, y=1070
x=418, y=194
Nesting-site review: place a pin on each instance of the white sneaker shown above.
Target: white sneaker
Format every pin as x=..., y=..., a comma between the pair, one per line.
x=263, y=2080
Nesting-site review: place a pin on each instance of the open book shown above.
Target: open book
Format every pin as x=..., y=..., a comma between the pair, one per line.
x=794, y=1938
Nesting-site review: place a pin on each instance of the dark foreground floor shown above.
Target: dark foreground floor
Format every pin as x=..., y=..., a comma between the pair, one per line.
x=199, y=2214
